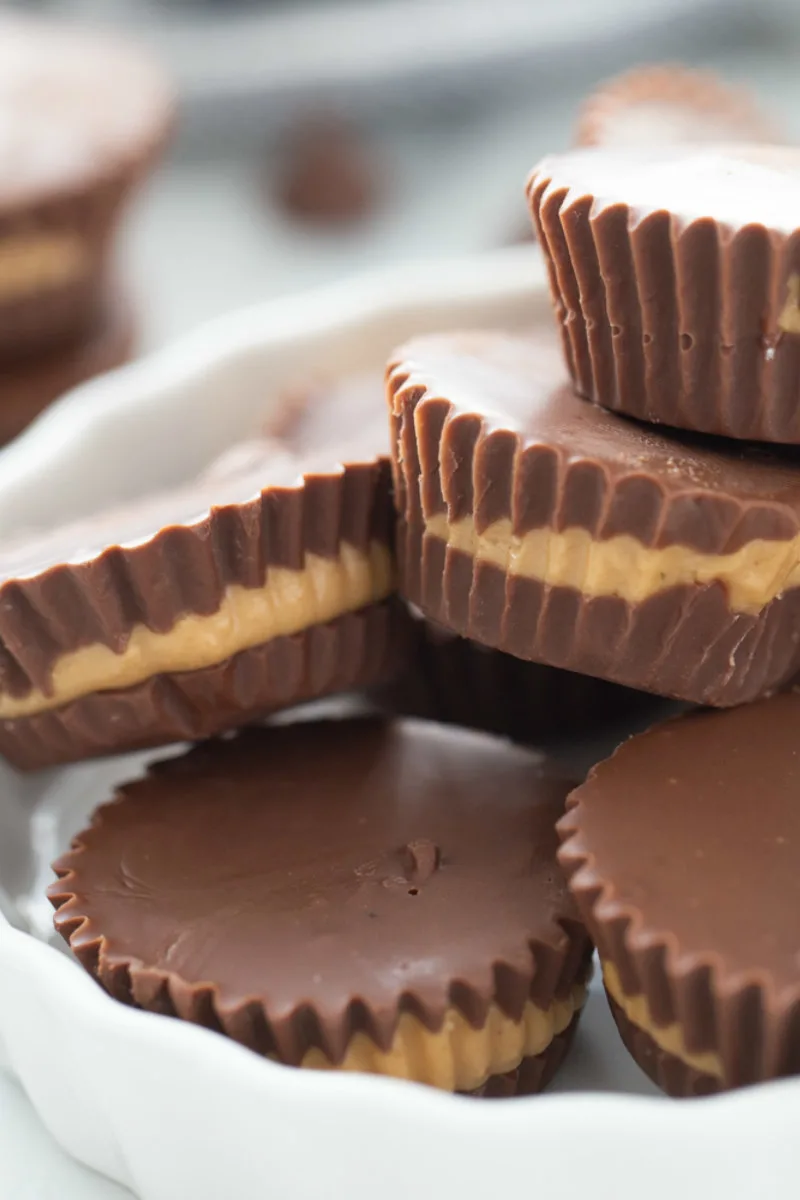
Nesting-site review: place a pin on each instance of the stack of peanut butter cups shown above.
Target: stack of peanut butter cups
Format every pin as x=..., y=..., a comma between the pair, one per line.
x=555, y=527
x=82, y=120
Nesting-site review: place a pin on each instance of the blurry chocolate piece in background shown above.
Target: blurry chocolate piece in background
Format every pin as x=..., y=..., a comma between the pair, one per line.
x=671, y=103
x=325, y=171
x=82, y=119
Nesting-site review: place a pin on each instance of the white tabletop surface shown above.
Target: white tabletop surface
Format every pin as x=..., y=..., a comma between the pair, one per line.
x=202, y=242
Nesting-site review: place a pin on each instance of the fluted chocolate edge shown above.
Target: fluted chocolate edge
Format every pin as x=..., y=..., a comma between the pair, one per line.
x=671, y=320
x=359, y=650
x=754, y=1030
x=535, y=1072
x=185, y=569
x=667, y=1071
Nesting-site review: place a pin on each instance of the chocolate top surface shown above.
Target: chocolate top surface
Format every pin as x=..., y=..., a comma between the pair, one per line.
x=669, y=104
x=737, y=185
x=575, y=464
x=73, y=106
x=694, y=827
x=396, y=865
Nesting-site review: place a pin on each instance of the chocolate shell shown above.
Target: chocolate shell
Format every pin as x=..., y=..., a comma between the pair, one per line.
x=537, y=524
x=665, y=104
x=681, y=852
x=399, y=868
x=85, y=118
x=675, y=275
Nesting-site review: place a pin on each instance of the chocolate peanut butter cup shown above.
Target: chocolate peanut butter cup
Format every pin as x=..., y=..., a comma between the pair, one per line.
x=190, y=612
x=683, y=854
x=546, y=527
x=394, y=908
x=84, y=117
x=460, y=682
x=675, y=274
x=668, y=104
x=29, y=385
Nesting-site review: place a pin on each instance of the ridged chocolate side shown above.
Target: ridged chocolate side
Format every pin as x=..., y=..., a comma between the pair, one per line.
x=183, y=567
x=48, y=318
x=671, y=1074
x=533, y=1074
x=729, y=1016
x=29, y=386
x=684, y=642
x=461, y=682
x=359, y=650
x=672, y=320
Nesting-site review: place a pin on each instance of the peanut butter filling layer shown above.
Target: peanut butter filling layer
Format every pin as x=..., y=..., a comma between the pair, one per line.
x=288, y=602
x=789, y=320
x=34, y=262
x=622, y=566
x=457, y=1057
x=669, y=1038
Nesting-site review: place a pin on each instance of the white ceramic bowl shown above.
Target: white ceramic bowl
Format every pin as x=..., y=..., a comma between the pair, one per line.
x=175, y=1111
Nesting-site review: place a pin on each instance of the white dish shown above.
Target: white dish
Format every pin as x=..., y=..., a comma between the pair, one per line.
x=173, y=1111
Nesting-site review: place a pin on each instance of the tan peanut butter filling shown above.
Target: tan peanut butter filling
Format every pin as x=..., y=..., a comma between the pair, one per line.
x=457, y=1057
x=669, y=1038
x=34, y=262
x=622, y=565
x=789, y=320
x=288, y=602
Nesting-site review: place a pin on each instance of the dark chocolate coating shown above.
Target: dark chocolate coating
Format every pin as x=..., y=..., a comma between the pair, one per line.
x=682, y=852
x=670, y=307
x=357, y=651
x=28, y=386
x=394, y=867
x=485, y=426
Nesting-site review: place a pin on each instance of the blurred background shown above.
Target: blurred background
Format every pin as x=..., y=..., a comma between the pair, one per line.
x=320, y=138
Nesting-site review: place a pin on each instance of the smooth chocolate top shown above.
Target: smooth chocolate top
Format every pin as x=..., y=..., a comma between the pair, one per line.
x=694, y=827
x=736, y=185
x=500, y=433
x=335, y=873
x=75, y=107
x=266, y=502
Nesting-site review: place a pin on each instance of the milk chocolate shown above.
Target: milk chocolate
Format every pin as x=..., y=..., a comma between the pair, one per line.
x=487, y=429
x=30, y=385
x=358, y=651
x=675, y=275
x=666, y=1070
x=665, y=104
x=682, y=854
x=399, y=867
x=85, y=117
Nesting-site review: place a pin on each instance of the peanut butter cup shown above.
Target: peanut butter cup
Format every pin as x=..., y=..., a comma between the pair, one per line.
x=551, y=529
x=394, y=906
x=665, y=104
x=83, y=118
x=675, y=274
x=266, y=583
x=683, y=854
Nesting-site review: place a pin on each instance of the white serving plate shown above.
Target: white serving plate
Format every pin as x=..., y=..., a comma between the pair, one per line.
x=174, y=1111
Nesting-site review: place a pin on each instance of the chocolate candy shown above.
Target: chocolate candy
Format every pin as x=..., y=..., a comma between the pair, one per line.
x=544, y=526
x=683, y=854
x=675, y=274
x=668, y=104
x=395, y=907
x=84, y=118
x=190, y=612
